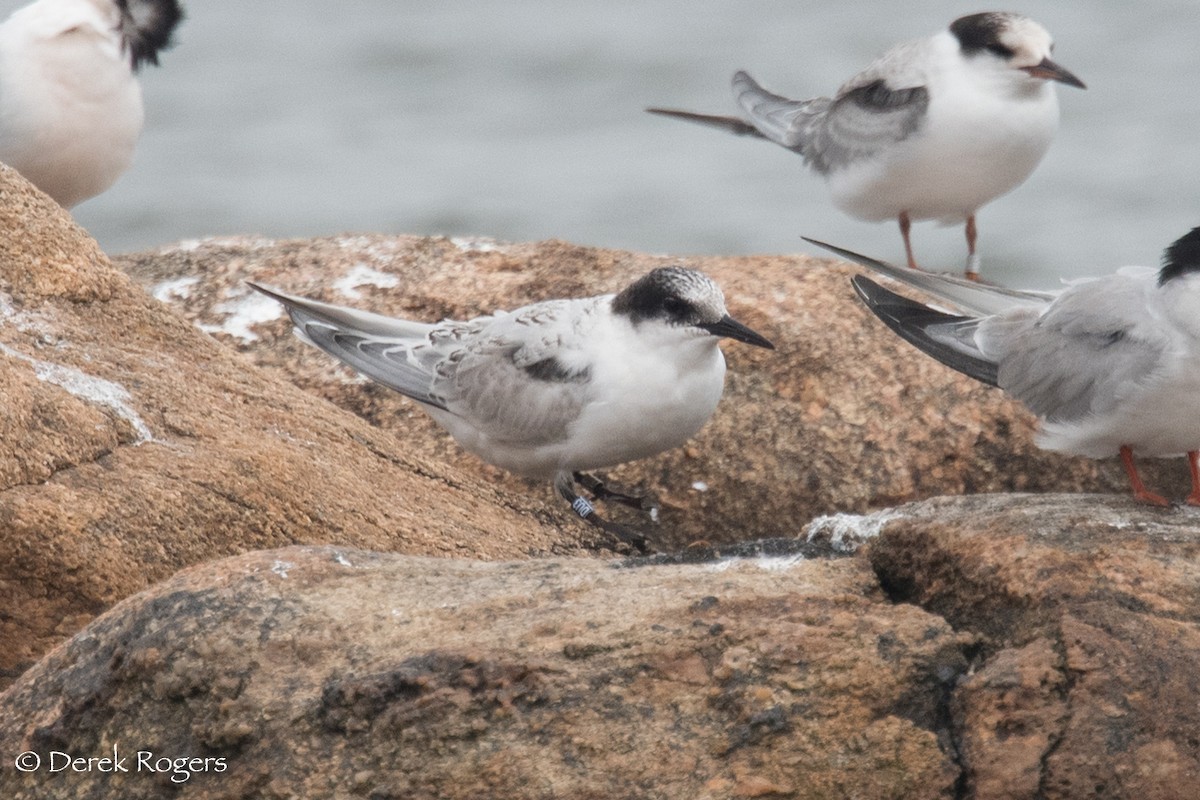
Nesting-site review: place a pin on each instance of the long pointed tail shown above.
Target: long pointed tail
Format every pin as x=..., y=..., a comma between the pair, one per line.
x=734, y=125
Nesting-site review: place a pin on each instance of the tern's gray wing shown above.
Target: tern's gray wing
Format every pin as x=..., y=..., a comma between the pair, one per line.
x=363, y=321
x=1083, y=355
x=523, y=377
x=977, y=299
x=1092, y=347
x=395, y=352
x=513, y=377
x=783, y=121
x=831, y=133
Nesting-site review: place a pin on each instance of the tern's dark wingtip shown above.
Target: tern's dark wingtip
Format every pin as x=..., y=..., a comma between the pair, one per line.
x=676, y=113
x=868, y=291
x=147, y=28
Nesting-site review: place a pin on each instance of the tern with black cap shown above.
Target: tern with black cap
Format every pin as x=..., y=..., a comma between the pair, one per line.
x=935, y=128
x=555, y=388
x=1110, y=365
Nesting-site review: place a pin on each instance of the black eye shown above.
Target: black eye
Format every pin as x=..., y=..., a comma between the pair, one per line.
x=675, y=307
x=995, y=48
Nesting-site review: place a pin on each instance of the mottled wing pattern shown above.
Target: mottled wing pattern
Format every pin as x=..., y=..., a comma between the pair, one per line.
x=521, y=376
x=862, y=120
x=883, y=104
x=518, y=376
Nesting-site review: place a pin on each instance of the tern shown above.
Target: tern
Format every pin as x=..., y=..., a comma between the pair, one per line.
x=1110, y=365
x=935, y=128
x=555, y=388
x=70, y=103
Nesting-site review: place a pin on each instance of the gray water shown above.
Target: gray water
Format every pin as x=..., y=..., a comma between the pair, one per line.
x=523, y=120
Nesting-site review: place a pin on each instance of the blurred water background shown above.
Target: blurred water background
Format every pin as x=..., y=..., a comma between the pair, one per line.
x=523, y=120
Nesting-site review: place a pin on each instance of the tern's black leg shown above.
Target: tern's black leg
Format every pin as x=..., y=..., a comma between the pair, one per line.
x=599, y=490
x=587, y=512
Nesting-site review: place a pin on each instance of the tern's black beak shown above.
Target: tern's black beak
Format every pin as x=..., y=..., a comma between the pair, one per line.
x=730, y=328
x=1050, y=71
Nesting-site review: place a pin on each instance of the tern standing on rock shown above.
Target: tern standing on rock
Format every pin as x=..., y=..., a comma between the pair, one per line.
x=1110, y=365
x=933, y=129
x=557, y=387
x=70, y=103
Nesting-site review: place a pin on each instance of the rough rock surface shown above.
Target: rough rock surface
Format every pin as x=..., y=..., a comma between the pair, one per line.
x=843, y=416
x=1089, y=617
x=987, y=647
x=316, y=672
x=132, y=444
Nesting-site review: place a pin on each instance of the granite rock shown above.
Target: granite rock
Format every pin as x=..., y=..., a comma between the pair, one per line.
x=1088, y=613
x=1015, y=646
x=323, y=672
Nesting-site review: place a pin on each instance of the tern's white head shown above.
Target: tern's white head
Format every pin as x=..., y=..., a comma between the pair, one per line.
x=1006, y=41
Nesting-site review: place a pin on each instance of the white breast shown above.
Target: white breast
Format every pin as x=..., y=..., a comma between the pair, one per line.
x=645, y=395
x=984, y=133
x=648, y=400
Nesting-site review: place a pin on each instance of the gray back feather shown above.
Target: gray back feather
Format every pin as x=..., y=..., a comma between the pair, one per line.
x=1083, y=355
x=1079, y=354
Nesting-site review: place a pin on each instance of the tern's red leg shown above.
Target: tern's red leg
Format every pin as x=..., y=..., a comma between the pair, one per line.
x=1193, y=499
x=905, y=227
x=972, y=273
x=1140, y=493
